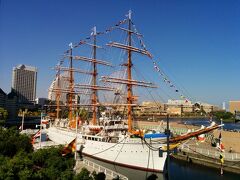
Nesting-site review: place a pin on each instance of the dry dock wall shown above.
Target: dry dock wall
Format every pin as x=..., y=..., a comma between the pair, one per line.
x=230, y=166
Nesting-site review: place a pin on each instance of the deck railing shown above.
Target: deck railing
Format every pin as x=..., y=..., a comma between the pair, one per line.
x=106, y=171
x=210, y=153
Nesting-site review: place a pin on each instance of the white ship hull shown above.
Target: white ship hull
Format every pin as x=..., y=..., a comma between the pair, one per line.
x=128, y=152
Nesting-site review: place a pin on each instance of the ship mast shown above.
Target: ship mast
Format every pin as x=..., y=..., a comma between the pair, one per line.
x=129, y=82
x=94, y=87
x=71, y=85
x=58, y=92
x=73, y=88
x=129, y=74
x=94, y=83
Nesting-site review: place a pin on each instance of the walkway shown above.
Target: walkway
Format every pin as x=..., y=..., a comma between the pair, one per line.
x=206, y=149
x=91, y=166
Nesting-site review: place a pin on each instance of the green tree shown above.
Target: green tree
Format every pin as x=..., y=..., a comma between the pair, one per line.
x=100, y=176
x=11, y=142
x=102, y=109
x=64, y=113
x=21, y=166
x=83, y=175
x=223, y=115
x=84, y=114
x=17, y=167
x=3, y=116
x=52, y=165
x=19, y=161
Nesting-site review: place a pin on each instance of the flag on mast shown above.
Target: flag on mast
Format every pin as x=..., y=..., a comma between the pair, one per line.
x=69, y=148
x=94, y=31
x=221, y=146
x=221, y=158
x=35, y=136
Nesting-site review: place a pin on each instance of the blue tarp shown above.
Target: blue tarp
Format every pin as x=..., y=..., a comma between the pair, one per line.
x=155, y=135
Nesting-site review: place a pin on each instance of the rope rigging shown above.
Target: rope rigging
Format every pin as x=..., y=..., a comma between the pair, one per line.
x=160, y=72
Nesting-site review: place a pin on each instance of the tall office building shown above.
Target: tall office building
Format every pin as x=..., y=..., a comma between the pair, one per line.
x=24, y=81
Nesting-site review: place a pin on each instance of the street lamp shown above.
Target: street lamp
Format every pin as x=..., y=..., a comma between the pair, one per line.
x=23, y=115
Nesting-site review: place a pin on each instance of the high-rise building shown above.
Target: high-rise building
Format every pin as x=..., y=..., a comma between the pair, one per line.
x=24, y=81
x=63, y=85
x=224, y=106
x=234, y=106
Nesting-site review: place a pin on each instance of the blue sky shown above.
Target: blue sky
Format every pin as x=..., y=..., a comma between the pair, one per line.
x=197, y=43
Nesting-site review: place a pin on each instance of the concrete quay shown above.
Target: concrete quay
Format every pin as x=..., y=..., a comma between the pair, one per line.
x=206, y=155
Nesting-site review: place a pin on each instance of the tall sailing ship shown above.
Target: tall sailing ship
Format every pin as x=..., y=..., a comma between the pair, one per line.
x=109, y=139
